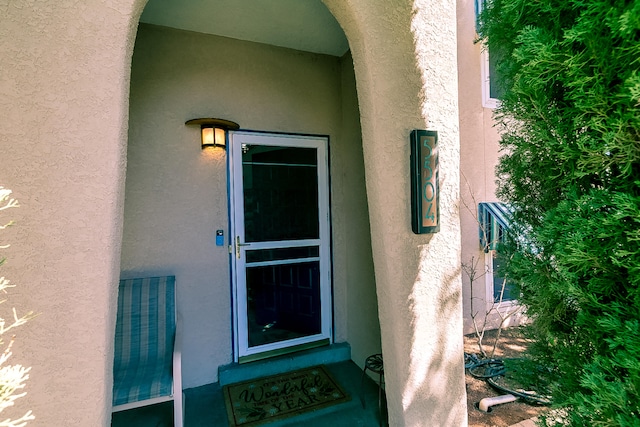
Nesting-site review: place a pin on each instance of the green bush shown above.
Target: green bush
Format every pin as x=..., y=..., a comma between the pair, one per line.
x=570, y=169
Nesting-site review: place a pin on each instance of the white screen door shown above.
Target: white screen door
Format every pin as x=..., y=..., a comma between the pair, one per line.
x=282, y=272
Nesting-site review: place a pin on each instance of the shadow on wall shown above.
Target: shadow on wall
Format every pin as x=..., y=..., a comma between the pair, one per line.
x=436, y=363
x=425, y=342
x=435, y=375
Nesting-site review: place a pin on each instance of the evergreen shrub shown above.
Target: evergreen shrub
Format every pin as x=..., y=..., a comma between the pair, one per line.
x=570, y=169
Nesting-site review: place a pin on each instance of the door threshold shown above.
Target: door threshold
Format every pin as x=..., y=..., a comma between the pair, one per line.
x=283, y=351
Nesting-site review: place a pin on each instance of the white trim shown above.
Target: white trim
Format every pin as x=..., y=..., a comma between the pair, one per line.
x=489, y=282
x=487, y=101
x=141, y=403
x=282, y=244
x=282, y=262
x=232, y=234
x=485, y=83
x=240, y=324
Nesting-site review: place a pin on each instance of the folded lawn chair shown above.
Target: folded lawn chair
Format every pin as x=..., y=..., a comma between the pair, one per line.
x=147, y=365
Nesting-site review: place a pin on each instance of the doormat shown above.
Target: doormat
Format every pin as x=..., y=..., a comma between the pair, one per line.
x=253, y=403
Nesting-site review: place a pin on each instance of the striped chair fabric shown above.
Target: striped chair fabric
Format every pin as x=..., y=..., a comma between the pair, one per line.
x=145, y=369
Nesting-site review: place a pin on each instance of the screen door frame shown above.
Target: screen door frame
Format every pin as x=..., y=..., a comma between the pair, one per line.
x=238, y=247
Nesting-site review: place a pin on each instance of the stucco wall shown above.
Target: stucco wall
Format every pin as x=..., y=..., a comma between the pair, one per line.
x=362, y=324
x=479, y=153
x=405, y=64
x=63, y=103
x=176, y=193
x=64, y=83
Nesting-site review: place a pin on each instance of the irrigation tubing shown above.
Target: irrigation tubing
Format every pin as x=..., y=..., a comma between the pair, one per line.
x=490, y=369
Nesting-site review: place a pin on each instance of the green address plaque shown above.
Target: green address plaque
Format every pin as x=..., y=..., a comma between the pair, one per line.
x=425, y=206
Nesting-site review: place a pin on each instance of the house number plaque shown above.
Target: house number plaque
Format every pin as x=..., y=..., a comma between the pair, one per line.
x=425, y=208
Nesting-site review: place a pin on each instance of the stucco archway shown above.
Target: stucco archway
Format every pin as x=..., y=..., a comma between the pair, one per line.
x=170, y=180
x=64, y=140
x=418, y=277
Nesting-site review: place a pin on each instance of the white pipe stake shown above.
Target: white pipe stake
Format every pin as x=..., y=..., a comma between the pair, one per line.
x=486, y=403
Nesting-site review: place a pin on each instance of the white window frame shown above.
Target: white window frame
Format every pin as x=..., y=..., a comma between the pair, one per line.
x=487, y=101
x=489, y=281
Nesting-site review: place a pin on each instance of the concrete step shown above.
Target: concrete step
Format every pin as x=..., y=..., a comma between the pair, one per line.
x=235, y=373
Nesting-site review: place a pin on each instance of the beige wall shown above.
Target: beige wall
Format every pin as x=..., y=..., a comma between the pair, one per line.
x=479, y=152
x=64, y=105
x=363, y=327
x=405, y=64
x=64, y=85
x=176, y=194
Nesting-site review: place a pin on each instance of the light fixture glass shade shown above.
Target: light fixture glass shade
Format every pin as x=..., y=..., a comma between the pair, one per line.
x=207, y=136
x=219, y=137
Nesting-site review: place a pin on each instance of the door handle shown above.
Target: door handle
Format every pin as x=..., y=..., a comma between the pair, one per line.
x=238, y=244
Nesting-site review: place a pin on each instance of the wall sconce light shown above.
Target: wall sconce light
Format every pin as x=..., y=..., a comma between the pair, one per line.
x=214, y=131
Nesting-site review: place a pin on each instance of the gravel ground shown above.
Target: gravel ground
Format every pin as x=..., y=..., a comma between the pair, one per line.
x=511, y=344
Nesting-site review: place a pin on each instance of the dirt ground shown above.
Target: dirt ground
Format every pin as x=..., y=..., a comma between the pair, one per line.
x=511, y=344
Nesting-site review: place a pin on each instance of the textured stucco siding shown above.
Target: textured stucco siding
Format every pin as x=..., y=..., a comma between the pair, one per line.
x=64, y=86
x=405, y=63
x=63, y=102
x=362, y=324
x=479, y=153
